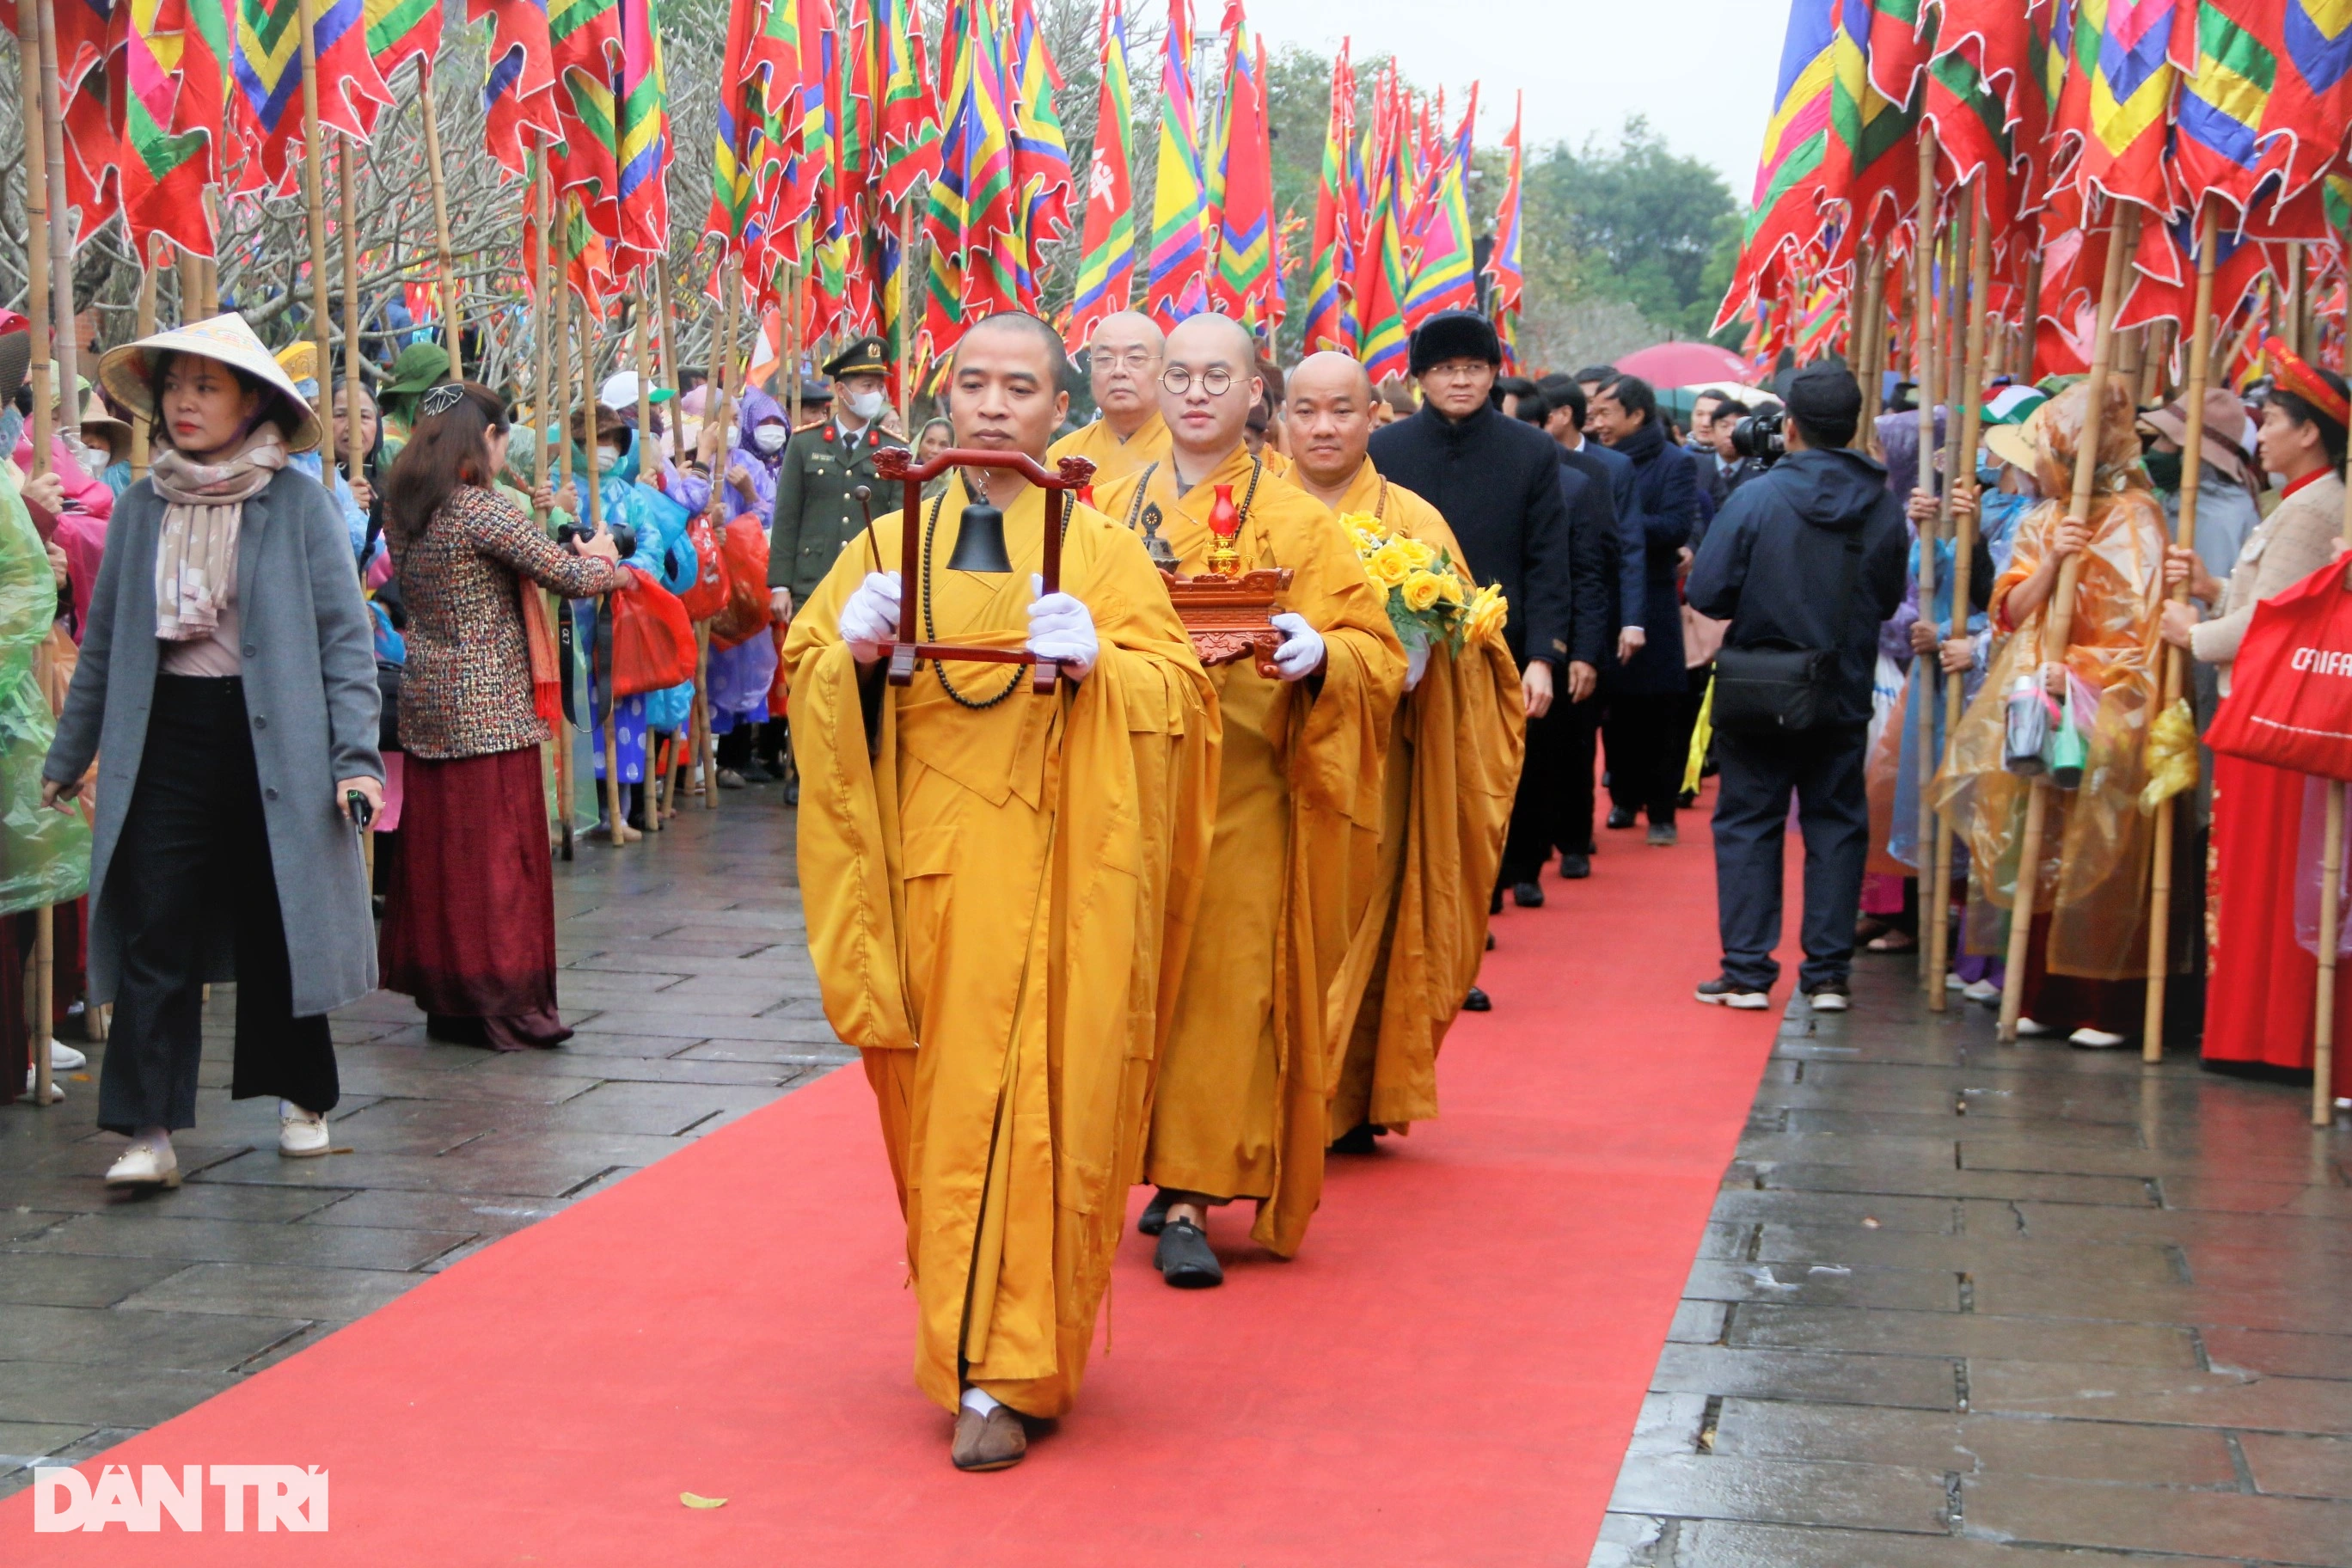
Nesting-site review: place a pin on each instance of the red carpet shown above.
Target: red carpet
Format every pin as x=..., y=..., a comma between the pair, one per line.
x=1448, y=1375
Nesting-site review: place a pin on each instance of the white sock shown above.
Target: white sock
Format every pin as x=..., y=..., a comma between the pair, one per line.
x=157, y=1138
x=979, y=1401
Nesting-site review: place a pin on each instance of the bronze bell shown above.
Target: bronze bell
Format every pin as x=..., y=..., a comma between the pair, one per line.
x=979, y=540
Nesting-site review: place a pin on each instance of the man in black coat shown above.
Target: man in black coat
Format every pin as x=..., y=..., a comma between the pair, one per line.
x=1773, y=565
x=1646, y=725
x=1500, y=488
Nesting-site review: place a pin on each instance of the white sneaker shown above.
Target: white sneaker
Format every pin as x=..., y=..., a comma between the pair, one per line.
x=2096, y=1039
x=56, y=1090
x=301, y=1134
x=63, y=1058
x=1983, y=991
x=1952, y=981
x=2028, y=1029
x=145, y=1164
x=1830, y=1001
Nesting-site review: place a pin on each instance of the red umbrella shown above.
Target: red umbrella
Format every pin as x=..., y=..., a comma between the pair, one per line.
x=1684, y=364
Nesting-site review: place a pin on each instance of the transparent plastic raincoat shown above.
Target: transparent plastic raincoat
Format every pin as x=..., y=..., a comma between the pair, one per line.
x=2095, y=843
x=43, y=854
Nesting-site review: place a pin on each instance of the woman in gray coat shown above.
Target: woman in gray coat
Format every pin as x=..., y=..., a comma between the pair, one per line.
x=227, y=685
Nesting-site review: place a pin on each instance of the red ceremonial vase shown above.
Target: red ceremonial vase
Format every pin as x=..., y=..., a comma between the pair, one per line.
x=1224, y=520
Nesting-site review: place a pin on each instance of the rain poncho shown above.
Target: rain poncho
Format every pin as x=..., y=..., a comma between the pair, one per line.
x=664, y=554
x=692, y=491
x=2092, y=878
x=43, y=854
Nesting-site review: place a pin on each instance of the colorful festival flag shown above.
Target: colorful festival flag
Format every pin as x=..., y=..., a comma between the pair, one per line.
x=401, y=30
x=2305, y=118
x=1331, y=323
x=172, y=112
x=1785, y=212
x=268, y=73
x=1242, y=284
x=2129, y=100
x=518, y=104
x=1444, y=275
x=1041, y=158
x=1106, y=281
x=908, y=121
x=642, y=139
x=1175, y=281
x=1506, y=282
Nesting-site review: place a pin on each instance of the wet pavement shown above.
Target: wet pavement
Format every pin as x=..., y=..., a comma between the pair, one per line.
x=1962, y=1305
x=686, y=974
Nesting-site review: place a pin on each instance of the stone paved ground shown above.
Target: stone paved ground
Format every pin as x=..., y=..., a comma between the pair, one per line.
x=1963, y=1305
x=686, y=974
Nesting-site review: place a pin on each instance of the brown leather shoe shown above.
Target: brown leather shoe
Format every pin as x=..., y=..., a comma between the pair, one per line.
x=995, y=1441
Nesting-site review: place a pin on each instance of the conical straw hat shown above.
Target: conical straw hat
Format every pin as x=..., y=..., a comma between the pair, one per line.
x=125, y=371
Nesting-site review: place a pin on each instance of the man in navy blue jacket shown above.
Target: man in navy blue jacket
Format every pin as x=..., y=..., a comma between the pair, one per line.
x=1772, y=566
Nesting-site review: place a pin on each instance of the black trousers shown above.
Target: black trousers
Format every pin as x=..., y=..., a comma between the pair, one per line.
x=1759, y=773
x=1553, y=808
x=193, y=858
x=1648, y=737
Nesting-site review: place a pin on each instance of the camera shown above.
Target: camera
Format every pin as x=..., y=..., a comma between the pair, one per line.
x=625, y=538
x=1761, y=436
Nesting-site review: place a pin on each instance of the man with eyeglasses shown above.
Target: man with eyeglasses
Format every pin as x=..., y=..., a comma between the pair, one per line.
x=1242, y=1106
x=1123, y=361
x=991, y=877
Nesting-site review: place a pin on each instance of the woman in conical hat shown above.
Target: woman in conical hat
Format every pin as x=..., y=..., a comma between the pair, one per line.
x=228, y=685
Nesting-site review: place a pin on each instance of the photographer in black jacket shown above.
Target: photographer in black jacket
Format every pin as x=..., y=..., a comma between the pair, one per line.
x=1772, y=565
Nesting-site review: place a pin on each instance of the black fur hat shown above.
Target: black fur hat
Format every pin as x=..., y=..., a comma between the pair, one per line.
x=1454, y=334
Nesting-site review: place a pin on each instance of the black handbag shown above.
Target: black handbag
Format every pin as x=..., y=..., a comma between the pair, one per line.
x=388, y=686
x=1775, y=689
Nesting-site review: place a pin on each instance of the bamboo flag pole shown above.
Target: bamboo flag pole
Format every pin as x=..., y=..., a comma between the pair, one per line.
x=41, y=374
x=190, y=269
x=907, y=221
x=314, y=201
x=453, y=323
x=2058, y=615
x=616, y=827
x=2176, y=661
x=1922, y=348
x=63, y=347
x=544, y=405
x=1964, y=545
x=1870, y=327
x=150, y=272
x=1959, y=464
x=2331, y=907
x=656, y=787
x=354, y=443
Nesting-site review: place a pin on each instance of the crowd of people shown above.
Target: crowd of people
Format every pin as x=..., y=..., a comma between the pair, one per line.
x=1197, y=925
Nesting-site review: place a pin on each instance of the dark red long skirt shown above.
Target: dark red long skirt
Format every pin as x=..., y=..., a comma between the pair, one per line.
x=469, y=910
x=2260, y=998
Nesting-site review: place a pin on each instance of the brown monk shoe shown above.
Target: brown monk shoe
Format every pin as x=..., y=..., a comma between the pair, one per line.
x=995, y=1441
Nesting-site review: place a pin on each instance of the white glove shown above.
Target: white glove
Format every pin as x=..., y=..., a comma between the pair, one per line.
x=1301, y=653
x=871, y=615
x=1416, y=664
x=1061, y=627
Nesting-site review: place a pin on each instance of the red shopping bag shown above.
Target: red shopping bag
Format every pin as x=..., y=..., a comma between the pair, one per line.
x=746, y=615
x=2290, y=702
x=653, y=641
x=709, y=594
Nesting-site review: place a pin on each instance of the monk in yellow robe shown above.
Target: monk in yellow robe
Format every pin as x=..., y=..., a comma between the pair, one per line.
x=1241, y=1105
x=1419, y=928
x=1123, y=362
x=1000, y=889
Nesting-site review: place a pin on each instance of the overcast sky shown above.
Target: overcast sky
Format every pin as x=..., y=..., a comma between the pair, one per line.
x=1701, y=69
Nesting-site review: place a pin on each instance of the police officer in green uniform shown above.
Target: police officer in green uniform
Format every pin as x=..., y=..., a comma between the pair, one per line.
x=815, y=513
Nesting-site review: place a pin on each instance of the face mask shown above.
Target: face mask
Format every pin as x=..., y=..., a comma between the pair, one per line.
x=607, y=458
x=865, y=405
x=734, y=436
x=2163, y=470
x=770, y=438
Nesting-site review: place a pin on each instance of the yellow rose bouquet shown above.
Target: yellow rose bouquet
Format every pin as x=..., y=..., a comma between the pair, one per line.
x=1430, y=600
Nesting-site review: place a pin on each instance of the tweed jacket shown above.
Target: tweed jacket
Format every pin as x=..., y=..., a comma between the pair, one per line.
x=308, y=671
x=2289, y=545
x=466, y=691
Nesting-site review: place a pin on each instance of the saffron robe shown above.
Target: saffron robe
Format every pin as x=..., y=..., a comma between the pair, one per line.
x=1242, y=1107
x=1419, y=929
x=1112, y=458
x=998, y=901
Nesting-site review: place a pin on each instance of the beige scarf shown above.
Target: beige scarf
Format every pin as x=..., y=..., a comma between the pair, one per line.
x=195, y=559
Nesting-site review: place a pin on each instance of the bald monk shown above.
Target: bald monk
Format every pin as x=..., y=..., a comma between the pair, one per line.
x=1419, y=928
x=1242, y=1106
x=999, y=895
x=1123, y=362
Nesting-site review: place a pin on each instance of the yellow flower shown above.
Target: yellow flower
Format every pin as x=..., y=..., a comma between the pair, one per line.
x=1449, y=587
x=1488, y=611
x=1386, y=566
x=1422, y=591
x=1421, y=556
